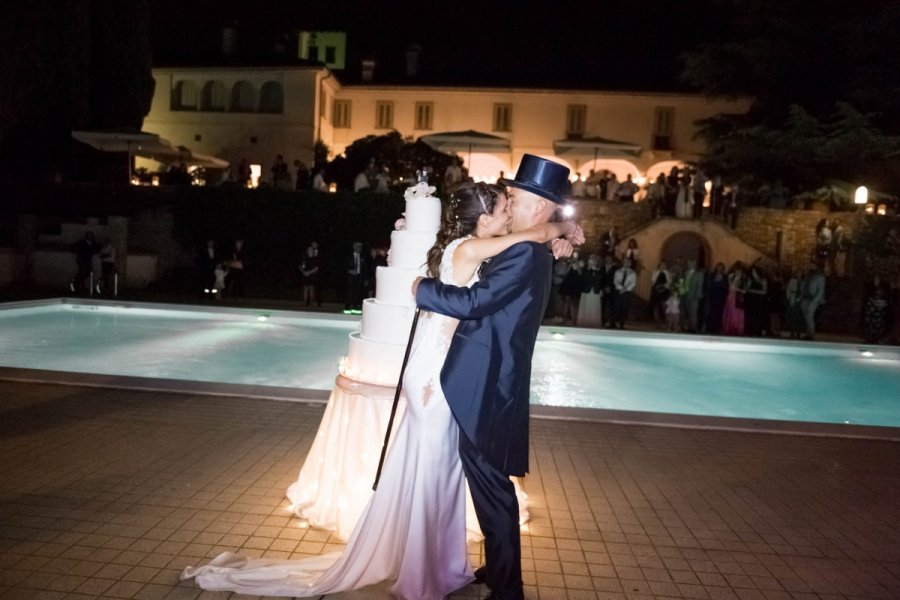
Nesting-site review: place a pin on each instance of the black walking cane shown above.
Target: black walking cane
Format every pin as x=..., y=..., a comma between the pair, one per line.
x=387, y=434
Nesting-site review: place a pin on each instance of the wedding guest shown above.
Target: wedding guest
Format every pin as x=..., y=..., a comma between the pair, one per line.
x=840, y=244
x=356, y=268
x=608, y=241
x=775, y=302
x=823, y=241
x=612, y=188
x=301, y=175
x=578, y=188
x=625, y=281
x=633, y=254
x=589, y=305
x=660, y=286
x=209, y=258
x=698, y=193
x=108, y=266
x=220, y=274
x=310, y=275
x=756, y=311
x=672, y=308
x=361, y=183
x=627, y=190
x=318, y=180
x=607, y=290
x=570, y=290
x=813, y=290
x=733, y=315
x=793, y=314
x=715, y=293
x=693, y=293
x=656, y=196
x=84, y=250
x=236, y=265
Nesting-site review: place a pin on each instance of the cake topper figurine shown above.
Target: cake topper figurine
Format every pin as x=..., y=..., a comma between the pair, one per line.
x=422, y=175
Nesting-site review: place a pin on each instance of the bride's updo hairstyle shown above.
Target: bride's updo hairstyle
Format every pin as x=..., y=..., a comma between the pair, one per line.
x=460, y=217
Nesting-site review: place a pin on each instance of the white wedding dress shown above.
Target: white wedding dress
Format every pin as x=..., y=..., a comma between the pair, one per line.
x=413, y=530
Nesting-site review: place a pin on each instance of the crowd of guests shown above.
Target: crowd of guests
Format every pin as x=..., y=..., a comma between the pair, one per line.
x=755, y=300
x=596, y=292
x=742, y=300
x=683, y=193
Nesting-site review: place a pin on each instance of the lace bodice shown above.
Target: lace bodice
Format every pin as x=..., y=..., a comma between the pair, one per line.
x=447, y=263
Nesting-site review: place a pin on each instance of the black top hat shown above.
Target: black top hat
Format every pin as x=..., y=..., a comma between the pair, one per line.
x=540, y=176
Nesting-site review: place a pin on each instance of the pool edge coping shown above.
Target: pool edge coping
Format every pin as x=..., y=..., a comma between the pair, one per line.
x=537, y=411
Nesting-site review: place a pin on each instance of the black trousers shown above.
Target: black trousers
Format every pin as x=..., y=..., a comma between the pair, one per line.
x=354, y=292
x=498, y=515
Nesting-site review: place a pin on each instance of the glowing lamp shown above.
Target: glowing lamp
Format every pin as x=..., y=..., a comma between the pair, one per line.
x=861, y=196
x=882, y=209
x=870, y=209
x=332, y=187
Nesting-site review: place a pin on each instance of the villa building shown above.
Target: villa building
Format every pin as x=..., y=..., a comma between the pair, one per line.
x=258, y=112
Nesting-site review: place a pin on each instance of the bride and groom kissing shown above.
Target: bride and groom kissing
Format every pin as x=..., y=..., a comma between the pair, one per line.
x=466, y=387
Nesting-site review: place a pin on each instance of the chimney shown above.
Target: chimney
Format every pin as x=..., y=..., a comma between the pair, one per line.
x=368, y=70
x=412, y=60
x=229, y=38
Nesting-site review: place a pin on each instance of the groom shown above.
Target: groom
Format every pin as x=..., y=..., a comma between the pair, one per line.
x=487, y=373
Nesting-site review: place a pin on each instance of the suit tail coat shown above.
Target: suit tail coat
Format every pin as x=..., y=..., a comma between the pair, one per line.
x=487, y=374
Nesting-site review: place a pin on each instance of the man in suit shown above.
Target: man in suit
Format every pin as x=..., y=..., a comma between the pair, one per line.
x=356, y=266
x=487, y=372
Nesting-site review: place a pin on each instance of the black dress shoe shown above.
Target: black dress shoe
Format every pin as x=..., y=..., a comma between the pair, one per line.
x=479, y=576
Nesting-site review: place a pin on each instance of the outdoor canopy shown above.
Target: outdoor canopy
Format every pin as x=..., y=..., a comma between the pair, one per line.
x=147, y=145
x=598, y=146
x=466, y=141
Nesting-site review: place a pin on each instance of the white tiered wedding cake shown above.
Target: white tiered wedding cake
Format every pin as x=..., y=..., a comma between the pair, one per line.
x=376, y=351
x=335, y=482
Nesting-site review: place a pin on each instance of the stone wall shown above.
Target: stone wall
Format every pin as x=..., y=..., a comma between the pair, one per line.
x=787, y=236
x=597, y=216
x=762, y=227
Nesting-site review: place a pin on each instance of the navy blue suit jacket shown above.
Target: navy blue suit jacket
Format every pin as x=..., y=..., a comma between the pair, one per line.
x=487, y=373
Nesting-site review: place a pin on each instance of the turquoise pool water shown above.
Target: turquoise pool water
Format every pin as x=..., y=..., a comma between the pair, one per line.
x=664, y=373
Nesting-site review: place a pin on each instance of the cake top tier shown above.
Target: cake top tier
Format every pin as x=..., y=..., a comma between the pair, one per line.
x=420, y=190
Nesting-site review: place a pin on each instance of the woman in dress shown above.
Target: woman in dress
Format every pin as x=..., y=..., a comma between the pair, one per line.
x=589, y=304
x=733, y=315
x=715, y=293
x=413, y=530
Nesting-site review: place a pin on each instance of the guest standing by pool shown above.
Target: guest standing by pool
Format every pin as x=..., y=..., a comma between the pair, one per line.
x=733, y=315
x=793, y=313
x=813, y=291
x=236, y=265
x=625, y=281
x=310, y=275
x=715, y=292
x=589, y=305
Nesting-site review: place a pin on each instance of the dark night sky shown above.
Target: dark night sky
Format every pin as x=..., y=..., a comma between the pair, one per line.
x=613, y=44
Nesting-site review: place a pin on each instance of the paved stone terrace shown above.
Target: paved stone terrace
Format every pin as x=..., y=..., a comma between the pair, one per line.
x=109, y=493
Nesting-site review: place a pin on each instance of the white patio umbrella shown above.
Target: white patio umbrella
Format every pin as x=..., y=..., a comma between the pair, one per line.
x=139, y=143
x=598, y=146
x=466, y=141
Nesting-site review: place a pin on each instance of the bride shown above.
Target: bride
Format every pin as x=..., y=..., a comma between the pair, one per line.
x=413, y=531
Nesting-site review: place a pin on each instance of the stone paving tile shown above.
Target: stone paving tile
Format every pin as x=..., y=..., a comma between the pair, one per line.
x=109, y=493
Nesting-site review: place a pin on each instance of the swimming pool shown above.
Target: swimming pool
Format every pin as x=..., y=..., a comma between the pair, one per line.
x=577, y=368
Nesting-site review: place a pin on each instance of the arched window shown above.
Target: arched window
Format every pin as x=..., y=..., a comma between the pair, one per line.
x=271, y=98
x=243, y=97
x=214, y=96
x=184, y=96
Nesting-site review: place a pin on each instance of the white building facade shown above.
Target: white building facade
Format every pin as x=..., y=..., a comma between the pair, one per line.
x=259, y=112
